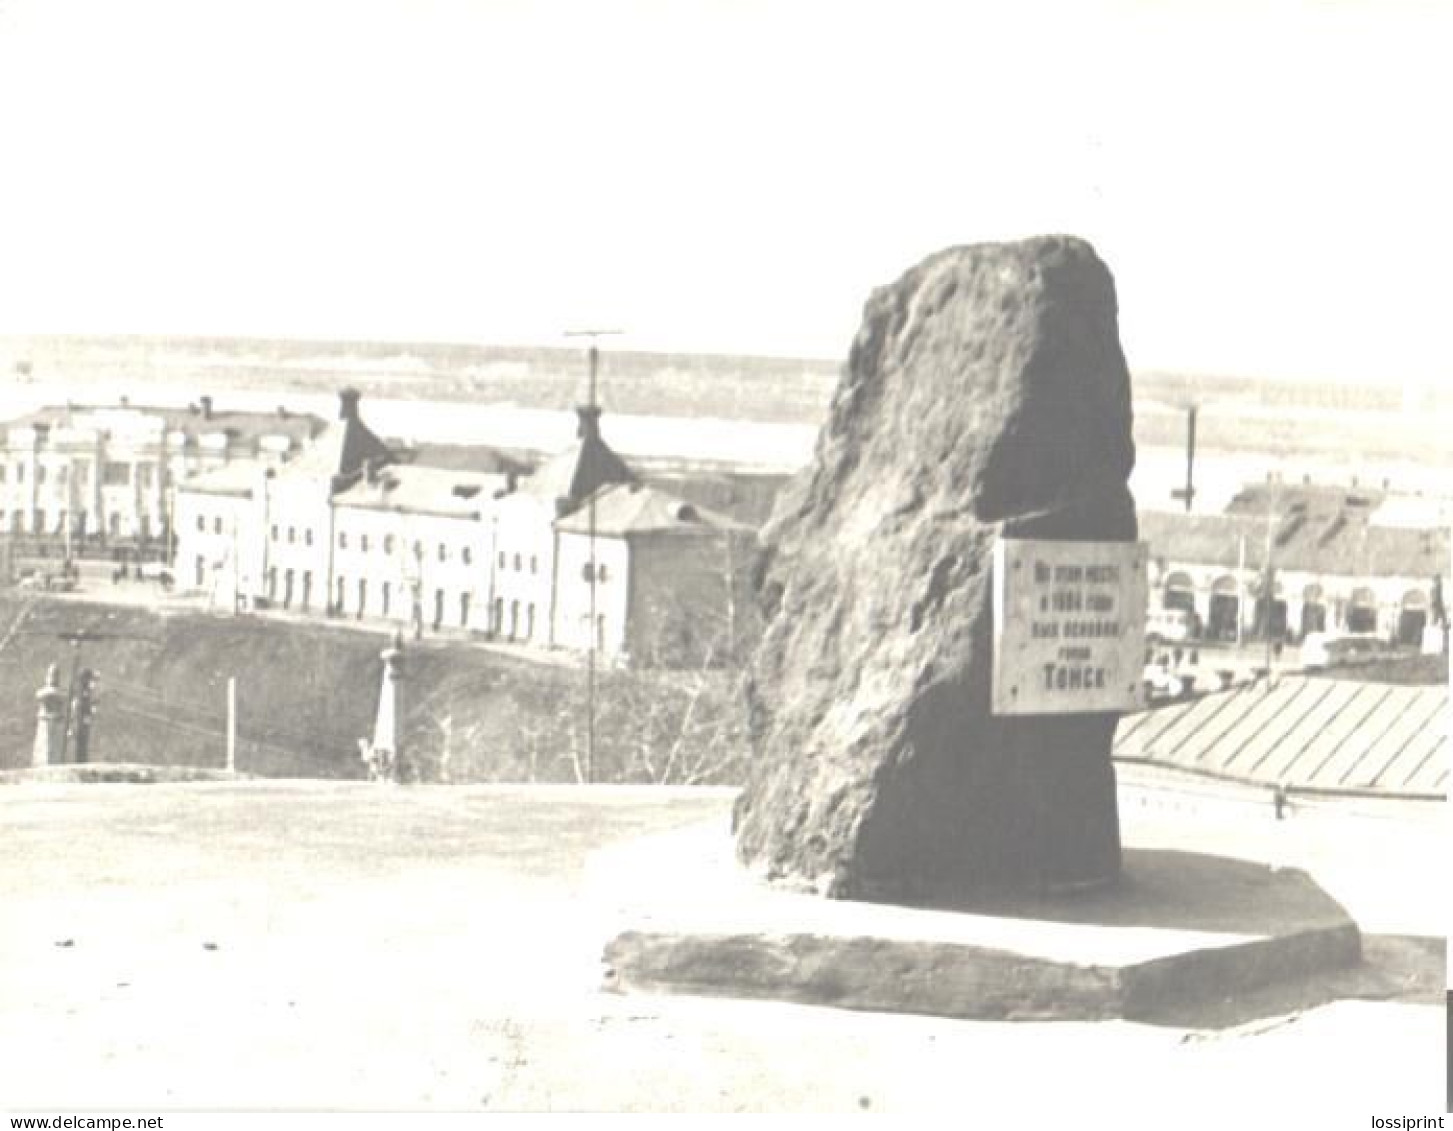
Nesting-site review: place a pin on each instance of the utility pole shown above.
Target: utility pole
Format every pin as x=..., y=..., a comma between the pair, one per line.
x=1188, y=492
x=592, y=404
x=1268, y=576
x=231, y=724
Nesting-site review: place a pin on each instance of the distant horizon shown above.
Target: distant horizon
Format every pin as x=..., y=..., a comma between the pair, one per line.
x=622, y=345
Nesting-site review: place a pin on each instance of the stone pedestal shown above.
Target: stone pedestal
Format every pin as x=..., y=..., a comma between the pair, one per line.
x=385, y=753
x=49, y=720
x=986, y=396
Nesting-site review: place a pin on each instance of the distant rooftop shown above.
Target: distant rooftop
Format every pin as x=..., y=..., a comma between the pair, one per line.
x=423, y=490
x=623, y=509
x=194, y=420
x=1324, y=530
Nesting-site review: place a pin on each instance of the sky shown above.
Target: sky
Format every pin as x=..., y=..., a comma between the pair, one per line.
x=1268, y=181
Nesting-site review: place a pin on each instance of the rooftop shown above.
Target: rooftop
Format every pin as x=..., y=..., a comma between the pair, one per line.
x=423, y=490
x=193, y=420
x=230, y=479
x=1317, y=530
x=1326, y=734
x=623, y=509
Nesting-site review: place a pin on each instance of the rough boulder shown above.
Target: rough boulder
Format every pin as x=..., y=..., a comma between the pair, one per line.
x=985, y=395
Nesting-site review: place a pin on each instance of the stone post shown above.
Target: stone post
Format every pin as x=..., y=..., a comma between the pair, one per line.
x=50, y=702
x=388, y=738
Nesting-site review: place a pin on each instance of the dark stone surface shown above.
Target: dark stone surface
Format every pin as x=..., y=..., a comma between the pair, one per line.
x=986, y=394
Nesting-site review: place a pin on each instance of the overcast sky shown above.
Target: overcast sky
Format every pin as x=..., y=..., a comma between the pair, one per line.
x=1269, y=182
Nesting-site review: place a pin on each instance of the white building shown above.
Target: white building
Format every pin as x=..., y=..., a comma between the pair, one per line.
x=102, y=476
x=349, y=529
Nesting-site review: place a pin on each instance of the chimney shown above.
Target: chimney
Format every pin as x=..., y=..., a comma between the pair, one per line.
x=589, y=427
x=206, y=408
x=348, y=404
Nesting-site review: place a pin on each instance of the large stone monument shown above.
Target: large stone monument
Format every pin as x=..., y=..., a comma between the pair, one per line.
x=986, y=397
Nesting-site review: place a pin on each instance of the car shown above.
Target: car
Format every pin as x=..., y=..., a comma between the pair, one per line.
x=1326, y=649
x=1173, y=626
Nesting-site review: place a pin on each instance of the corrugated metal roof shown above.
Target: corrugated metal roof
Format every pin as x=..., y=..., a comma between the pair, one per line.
x=1303, y=731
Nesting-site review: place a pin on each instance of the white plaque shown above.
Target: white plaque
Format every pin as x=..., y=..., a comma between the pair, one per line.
x=1069, y=626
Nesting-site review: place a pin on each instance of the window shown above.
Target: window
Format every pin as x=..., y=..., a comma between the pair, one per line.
x=467, y=555
x=587, y=572
x=292, y=535
x=274, y=532
x=385, y=597
x=501, y=559
x=83, y=474
x=600, y=574
x=2, y=473
x=363, y=543
x=388, y=548
x=63, y=474
x=308, y=536
x=342, y=545
x=115, y=523
x=40, y=472
x=518, y=566
x=534, y=564
x=443, y=552
x=217, y=525
x=143, y=475
x=20, y=473
x=38, y=526
x=202, y=523
x=116, y=474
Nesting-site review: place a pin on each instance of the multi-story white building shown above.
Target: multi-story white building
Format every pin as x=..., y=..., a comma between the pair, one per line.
x=91, y=476
x=348, y=528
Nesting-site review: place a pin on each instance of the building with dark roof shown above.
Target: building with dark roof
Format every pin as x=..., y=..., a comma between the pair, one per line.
x=578, y=554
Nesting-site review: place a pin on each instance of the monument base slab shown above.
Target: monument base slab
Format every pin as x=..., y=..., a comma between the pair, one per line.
x=1175, y=929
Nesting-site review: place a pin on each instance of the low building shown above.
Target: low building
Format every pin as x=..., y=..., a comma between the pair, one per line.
x=648, y=577
x=1288, y=561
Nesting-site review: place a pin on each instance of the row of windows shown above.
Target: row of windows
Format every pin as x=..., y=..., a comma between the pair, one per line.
x=504, y=561
x=293, y=534
x=113, y=473
x=42, y=522
x=466, y=553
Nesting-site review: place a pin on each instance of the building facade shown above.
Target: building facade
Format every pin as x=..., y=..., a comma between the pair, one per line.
x=350, y=528
x=89, y=477
x=1287, y=562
